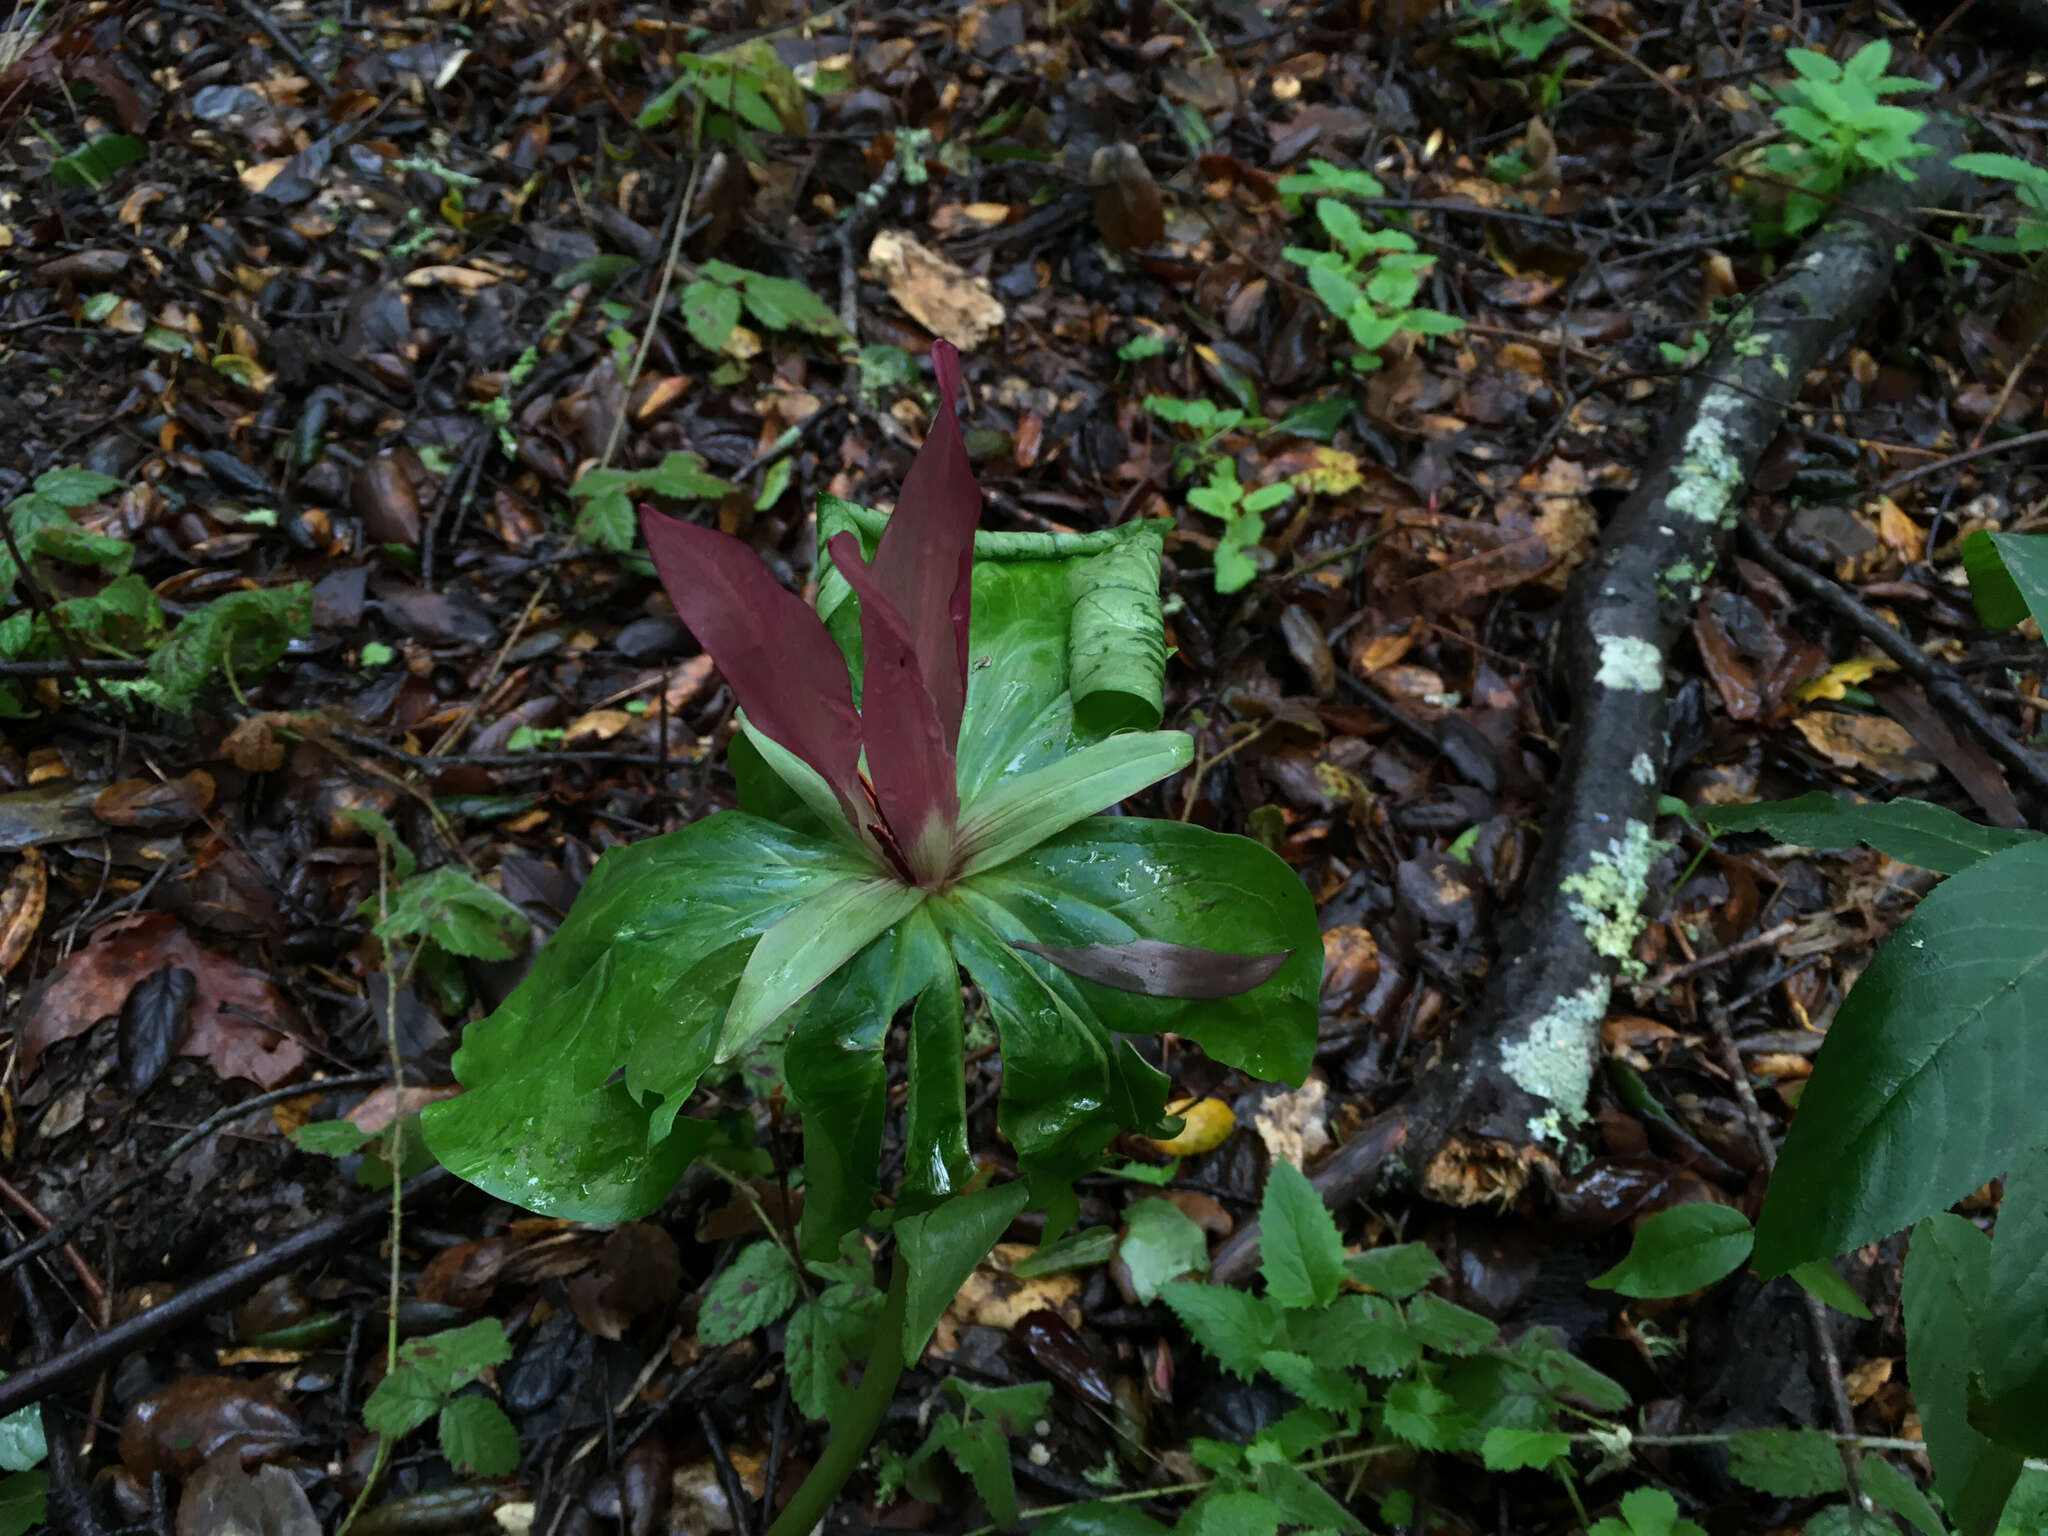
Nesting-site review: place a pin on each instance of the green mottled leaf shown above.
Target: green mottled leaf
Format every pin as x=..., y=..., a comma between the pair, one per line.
x=1678, y=1251
x=1161, y=1242
x=942, y=1246
x=751, y=1292
x=1929, y=1082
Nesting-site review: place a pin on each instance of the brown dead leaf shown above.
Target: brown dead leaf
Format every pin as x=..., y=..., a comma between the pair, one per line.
x=934, y=291
x=195, y=1417
x=467, y=279
x=1292, y=1123
x=1372, y=653
x=995, y=1297
x=238, y=1015
x=637, y=1270
x=1862, y=1383
x=155, y=805
x=597, y=725
x=21, y=908
x=380, y=1106
x=252, y=747
x=1867, y=742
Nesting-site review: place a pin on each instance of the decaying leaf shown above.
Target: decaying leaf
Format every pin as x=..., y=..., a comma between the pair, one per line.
x=238, y=1016
x=1292, y=1122
x=934, y=291
x=1867, y=742
x=21, y=908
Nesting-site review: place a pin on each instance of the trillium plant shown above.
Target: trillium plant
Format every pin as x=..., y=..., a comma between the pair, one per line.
x=921, y=761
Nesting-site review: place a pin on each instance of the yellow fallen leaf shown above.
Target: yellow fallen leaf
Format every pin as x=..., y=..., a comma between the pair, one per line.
x=1330, y=472
x=597, y=725
x=1209, y=1124
x=1843, y=675
x=468, y=279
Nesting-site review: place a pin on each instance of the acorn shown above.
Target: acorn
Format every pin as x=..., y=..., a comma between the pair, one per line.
x=1127, y=207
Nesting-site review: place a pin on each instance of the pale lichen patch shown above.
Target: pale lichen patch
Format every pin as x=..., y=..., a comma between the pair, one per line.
x=1553, y=1060
x=1707, y=477
x=1607, y=896
x=1629, y=663
x=1642, y=769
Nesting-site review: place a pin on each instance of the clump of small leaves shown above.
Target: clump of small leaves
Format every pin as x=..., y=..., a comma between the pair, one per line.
x=475, y=1435
x=1513, y=31
x=1243, y=515
x=1840, y=124
x=711, y=304
x=2029, y=235
x=1371, y=280
x=604, y=516
x=730, y=92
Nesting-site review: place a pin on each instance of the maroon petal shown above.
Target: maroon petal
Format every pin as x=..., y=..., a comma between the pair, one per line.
x=926, y=557
x=772, y=647
x=1159, y=969
x=910, y=753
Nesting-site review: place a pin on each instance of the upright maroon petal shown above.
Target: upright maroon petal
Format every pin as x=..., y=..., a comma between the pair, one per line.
x=925, y=560
x=772, y=647
x=910, y=753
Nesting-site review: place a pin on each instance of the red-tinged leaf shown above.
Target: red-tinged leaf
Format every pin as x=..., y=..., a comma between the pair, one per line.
x=772, y=647
x=910, y=753
x=925, y=558
x=1159, y=969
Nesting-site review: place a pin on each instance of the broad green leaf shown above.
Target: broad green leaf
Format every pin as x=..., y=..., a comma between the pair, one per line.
x=95, y=163
x=404, y=1400
x=1559, y=1370
x=1948, y=1269
x=808, y=945
x=1235, y=1328
x=1236, y=1513
x=835, y=1072
x=1108, y=880
x=791, y=791
x=1422, y=1413
x=1647, y=1512
x=1819, y=1277
x=2008, y=576
x=1891, y=1489
x=1300, y=1251
x=81, y=546
x=1014, y=1409
x=710, y=311
x=681, y=474
x=237, y=634
x=1161, y=1242
x=783, y=304
x=477, y=1437
x=1791, y=1463
x=455, y=1357
x=1448, y=1328
x=21, y=1502
x=1398, y=1271
x=1077, y=1250
x=1019, y=813
x=1678, y=1251
x=1510, y=1450
x=334, y=1138
x=942, y=1246
x=2026, y=1512
x=751, y=1292
x=1929, y=1082
x=638, y=975
x=1068, y=1083
x=1365, y=1333
x=452, y=908
x=1911, y=831
x=21, y=1439
x=1303, y=1501
x=2012, y=1341
x=935, y=1078
x=70, y=485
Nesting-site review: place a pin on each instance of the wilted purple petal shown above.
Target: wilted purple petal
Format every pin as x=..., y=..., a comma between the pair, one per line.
x=772, y=647
x=910, y=753
x=1159, y=969
x=926, y=556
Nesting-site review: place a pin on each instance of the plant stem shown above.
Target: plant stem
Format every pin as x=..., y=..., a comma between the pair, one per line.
x=855, y=1429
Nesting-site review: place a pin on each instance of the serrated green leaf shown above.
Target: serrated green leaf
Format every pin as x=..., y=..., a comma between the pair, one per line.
x=1678, y=1251
x=1236, y=1329
x=404, y=1400
x=1364, y=1333
x=751, y=1292
x=1647, y=1512
x=783, y=304
x=1315, y=1382
x=70, y=485
x=1301, y=1252
x=1161, y=1242
x=1510, y=1450
x=606, y=520
x=1398, y=1271
x=681, y=474
x=1911, y=831
x=1422, y=1413
x=239, y=632
x=1447, y=1328
x=710, y=311
x=1928, y=1083
x=452, y=908
x=454, y=1357
x=1791, y=1463
x=826, y=1339
x=1891, y=1489
x=477, y=1437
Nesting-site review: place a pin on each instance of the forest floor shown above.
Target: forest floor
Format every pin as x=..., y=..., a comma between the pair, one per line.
x=317, y=317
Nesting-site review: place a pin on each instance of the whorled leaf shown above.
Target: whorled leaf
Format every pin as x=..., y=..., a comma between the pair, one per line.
x=1159, y=969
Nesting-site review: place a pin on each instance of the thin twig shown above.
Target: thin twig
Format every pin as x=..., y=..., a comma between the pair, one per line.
x=1922, y=471
x=1754, y=942
x=287, y=47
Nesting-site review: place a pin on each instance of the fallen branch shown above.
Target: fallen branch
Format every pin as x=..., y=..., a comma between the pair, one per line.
x=1490, y=1113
